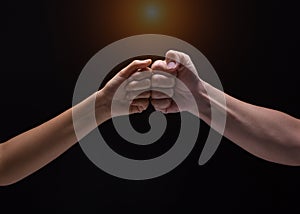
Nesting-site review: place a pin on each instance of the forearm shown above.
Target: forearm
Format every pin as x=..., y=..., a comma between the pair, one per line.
x=29, y=151
x=266, y=133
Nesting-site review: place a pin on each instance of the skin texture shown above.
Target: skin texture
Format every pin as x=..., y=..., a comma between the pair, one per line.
x=263, y=132
x=266, y=133
x=29, y=151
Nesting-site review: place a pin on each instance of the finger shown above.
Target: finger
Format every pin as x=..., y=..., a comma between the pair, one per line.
x=138, y=85
x=138, y=106
x=141, y=103
x=173, y=108
x=131, y=95
x=141, y=74
x=174, y=58
x=162, y=93
x=160, y=66
x=133, y=67
x=161, y=110
x=134, y=109
x=161, y=103
x=177, y=60
x=160, y=80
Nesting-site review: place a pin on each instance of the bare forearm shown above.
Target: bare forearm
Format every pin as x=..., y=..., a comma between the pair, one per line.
x=266, y=133
x=33, y=149
x=49, y=140
x=29, y=151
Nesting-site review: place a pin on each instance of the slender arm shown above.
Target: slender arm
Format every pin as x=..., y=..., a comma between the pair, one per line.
x=31, y=150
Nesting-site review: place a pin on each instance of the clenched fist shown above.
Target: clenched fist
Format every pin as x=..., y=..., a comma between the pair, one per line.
x=174, y=78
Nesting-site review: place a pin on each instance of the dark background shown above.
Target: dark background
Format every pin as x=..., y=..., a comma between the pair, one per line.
x=254, y=47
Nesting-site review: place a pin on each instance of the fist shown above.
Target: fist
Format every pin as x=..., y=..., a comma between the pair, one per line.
x=179, y=65
x=154, y=85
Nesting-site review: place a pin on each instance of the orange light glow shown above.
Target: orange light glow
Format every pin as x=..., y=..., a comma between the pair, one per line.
x=151, y=13
x=114, y=20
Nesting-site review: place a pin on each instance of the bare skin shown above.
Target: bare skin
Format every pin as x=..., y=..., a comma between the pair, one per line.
x=265, y=133
x=29, y=151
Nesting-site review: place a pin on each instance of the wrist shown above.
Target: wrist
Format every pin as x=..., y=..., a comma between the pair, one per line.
x=102, y=107
x=203, y=110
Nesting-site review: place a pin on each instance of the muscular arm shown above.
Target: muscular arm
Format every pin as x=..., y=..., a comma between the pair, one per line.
x=266, y=133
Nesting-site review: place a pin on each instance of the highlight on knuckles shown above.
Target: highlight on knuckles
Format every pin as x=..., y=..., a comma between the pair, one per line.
x=150, y=84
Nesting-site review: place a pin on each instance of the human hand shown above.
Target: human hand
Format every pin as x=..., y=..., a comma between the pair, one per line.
x=187, y=87
x=144, y=85
x=116, y=90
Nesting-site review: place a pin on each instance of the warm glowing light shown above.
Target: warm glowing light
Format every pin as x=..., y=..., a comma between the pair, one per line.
x=152, y=12
x=178, y=18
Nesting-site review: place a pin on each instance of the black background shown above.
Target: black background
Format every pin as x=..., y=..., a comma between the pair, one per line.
x=253, y=45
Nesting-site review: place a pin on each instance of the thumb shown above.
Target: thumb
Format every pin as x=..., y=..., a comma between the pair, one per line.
x=175, y=58
x=133, y=67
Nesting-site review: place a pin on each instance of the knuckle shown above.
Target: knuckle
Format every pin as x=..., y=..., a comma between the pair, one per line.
x=163, y=81
x=135, y=63
x=157, y=64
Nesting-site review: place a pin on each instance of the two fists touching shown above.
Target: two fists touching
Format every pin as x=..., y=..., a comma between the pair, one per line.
x=166, y=81
x=266, y=133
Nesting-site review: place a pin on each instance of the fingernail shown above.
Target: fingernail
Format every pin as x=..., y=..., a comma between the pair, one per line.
x=171, y=65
